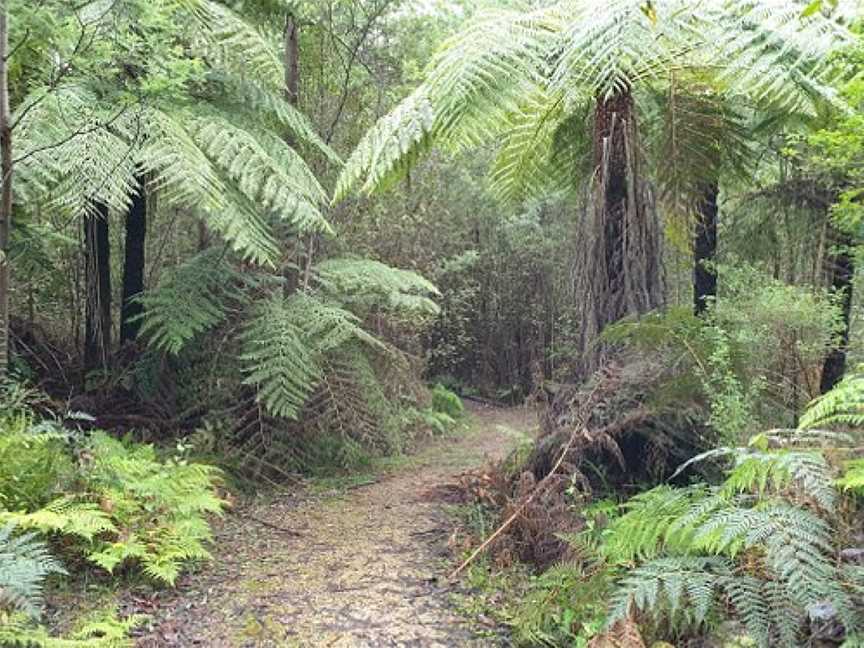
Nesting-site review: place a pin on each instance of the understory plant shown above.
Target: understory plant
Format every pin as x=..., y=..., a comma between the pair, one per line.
x=116, y=503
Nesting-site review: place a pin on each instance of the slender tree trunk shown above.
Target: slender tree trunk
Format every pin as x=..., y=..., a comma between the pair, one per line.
x=97, y=273
x=705, y=249
x=292, y=60
x=133, y=265
x=6, y=192
x=842, y=269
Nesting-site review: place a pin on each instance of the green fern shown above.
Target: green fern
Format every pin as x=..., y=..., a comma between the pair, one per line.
x=842, y=406
x=191, y=300
x=284, y=344
x=25, y=562
x=364, y=284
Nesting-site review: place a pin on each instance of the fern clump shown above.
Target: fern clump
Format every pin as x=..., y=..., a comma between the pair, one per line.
x=760, y=546
x=120, y=505
x=158, y=508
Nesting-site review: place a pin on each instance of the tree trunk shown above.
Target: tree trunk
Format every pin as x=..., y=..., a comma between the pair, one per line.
x=705, y=249
x=133, y=265
x=618, y=263
x=292, y=60
x=97, y=273
x=6, y=192
x=842, y=269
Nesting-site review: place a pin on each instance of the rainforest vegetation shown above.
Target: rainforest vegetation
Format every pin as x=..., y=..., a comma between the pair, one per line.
x=431, y=322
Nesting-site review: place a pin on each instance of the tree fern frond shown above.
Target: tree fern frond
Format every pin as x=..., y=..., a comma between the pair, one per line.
x=179, y=168
x=390, y=147
x=237, y=46
x=842, y=406
x=264, y=101
x=274, y=183
x=366, y=283
x=284, y=346
x=192, y=299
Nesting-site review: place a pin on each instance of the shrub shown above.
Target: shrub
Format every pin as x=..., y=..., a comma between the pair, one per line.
x=446, y=402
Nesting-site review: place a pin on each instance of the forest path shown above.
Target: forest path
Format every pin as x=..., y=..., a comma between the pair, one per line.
x=366, y=567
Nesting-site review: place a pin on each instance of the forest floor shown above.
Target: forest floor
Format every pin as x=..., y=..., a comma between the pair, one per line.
x=363, y=565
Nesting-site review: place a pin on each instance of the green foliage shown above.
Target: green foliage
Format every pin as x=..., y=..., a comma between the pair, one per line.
x=284, y=345
x=119, y=504
x=363, y=284
x=34, y=463
x=158, y=508
x=843, y=406
x=25, y=562
x=763, y=541
x=446, y=402
x=102, y=629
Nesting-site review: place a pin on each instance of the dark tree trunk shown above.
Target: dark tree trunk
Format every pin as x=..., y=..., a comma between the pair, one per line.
x=705, y=249
x=842, y=269
x=133, y=265
x=97, y=273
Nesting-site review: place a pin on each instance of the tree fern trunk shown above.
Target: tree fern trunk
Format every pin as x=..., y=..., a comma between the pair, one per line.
x=618, y=269
x=5, y=193
x=842, y=269
x=705, y=249
x=97, y=273
x=133, y=265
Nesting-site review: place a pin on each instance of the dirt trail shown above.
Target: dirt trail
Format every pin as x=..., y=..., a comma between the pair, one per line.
x=366, y=568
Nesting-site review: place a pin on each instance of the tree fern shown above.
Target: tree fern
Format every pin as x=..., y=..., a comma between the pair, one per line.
x=510, y=73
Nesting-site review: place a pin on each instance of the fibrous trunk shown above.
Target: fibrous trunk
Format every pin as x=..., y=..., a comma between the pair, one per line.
x=705, y=249
x=133, y=265
x=618, y=263
x=97, y=273
x=842, y=272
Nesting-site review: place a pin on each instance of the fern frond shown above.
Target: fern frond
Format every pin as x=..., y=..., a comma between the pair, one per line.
x=269, y=174
x=682, y=591
x=366, y=283
x=761, y=472
x=842, y=406
x=192, y=299
x=265, y=102
x=25, y=562
x=284, y=344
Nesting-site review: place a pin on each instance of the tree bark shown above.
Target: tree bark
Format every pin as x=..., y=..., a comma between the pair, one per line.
x=618, y=261
x=97, y=273
x=6, y=191
x=292, y=60
x=133, y=265
x=705, y=249
x=842, y=269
